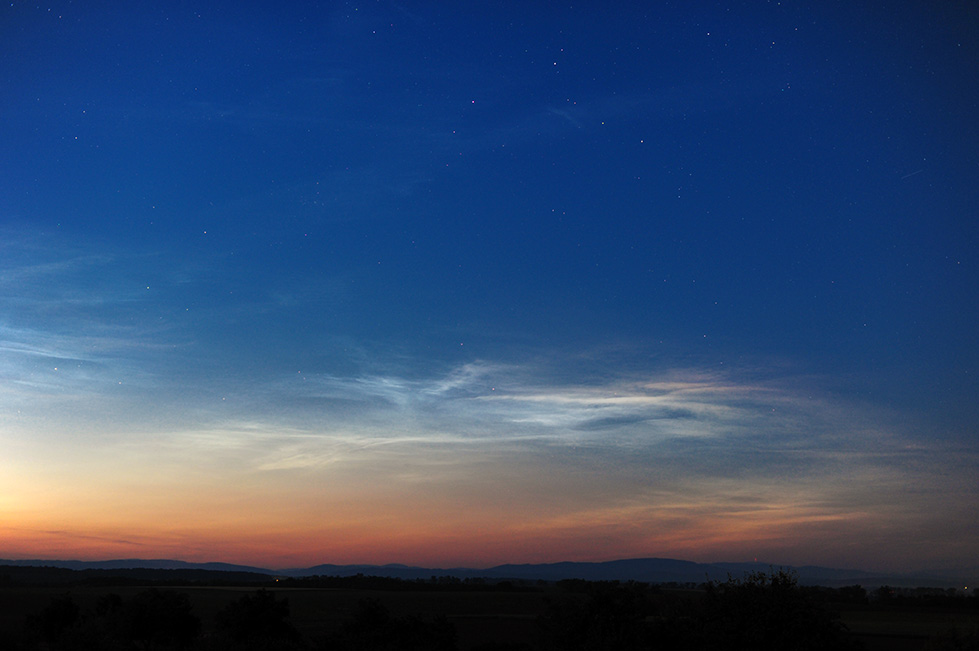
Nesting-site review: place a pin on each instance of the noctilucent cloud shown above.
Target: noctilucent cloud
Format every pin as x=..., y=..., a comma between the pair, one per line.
x=465, y=284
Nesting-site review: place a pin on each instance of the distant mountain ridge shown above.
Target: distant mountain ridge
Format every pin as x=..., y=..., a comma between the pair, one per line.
x=132, y=563
x=647, y=570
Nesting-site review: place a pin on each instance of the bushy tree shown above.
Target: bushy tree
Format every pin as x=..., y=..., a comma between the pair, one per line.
x=373, y=628
x=257, y=621
x=610, y=617
x=54, y=622
x=155, y=620
x=767, y=611
x=160, y=619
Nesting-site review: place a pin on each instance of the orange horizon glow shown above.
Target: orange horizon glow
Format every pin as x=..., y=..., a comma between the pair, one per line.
x=774, y=534
x=266, y=495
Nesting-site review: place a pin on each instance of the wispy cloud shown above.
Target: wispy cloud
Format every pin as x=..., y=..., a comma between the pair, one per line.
x=747, y=427
x=681, y=460
x=557, y=445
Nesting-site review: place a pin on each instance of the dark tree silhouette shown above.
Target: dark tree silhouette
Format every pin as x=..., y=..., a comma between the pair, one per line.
x=373, y=628
x=56, y=620
x=154, y=620
x=759, y=612
x=611, y=617
x=160, y=619
x=257, y=621
x=767, y=611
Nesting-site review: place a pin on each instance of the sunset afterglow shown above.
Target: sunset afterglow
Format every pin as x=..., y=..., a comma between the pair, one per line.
x=452, y=286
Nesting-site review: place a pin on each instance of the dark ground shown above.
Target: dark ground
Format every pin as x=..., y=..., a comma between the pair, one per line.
x=566, y=615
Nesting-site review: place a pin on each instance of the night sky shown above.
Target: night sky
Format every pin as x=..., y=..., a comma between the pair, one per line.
x=449, y=284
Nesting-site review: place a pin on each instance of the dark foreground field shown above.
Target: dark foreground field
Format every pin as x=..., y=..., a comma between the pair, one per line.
x=757, y=612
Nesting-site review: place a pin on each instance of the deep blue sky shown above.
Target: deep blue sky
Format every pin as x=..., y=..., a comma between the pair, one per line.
x=312, y=219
